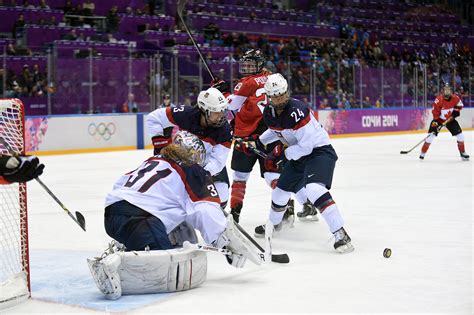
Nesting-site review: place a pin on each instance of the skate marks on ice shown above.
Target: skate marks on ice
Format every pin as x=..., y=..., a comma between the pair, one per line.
x=62, y=276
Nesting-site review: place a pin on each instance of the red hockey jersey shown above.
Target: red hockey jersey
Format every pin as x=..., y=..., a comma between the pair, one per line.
x=443, y=109
x=249, y=99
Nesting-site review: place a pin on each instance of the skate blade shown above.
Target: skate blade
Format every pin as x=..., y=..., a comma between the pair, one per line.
x=288, y=223
x=344, y=249
x=309, y=218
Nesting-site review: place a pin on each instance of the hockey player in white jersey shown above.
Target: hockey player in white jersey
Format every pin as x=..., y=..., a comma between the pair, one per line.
x=307, y=163
x=151, y=211
x=207, y=121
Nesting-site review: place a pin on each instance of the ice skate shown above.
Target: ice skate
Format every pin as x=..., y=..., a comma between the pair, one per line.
x=236, y=212
x=289, y=216
x=464, y=156
x=422, y=156
x=309, y=212
x=260, y=230
x=343, y=241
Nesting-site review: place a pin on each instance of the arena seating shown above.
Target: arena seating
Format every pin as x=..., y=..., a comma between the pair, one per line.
x=339, y=34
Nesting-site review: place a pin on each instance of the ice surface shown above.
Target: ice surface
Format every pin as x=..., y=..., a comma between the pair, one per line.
x=421, y=210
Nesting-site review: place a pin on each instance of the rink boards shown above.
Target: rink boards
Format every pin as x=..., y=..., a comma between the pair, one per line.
x=112, y=132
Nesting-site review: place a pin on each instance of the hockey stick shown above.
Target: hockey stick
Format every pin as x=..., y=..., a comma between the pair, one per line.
x=258, y=152
x=206, y=248
x=255, y=150
x=78, y=218
x=278, y=258
x=429, y=135
x=180, y=7
x=268, y=240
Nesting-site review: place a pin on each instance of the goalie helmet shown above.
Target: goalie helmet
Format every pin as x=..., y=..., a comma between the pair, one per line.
x=276, y=89
x=447, y=91
x=191, y=144
x=252, y=62
x=213, y=101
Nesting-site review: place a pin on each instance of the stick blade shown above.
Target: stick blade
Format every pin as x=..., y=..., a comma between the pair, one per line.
x=281, y=258
x=403, y=152
x=81, y=220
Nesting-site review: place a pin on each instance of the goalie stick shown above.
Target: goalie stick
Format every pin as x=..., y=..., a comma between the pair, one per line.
x=207, y=248
x=268, y=240
x=78, y=218
x=278, y=258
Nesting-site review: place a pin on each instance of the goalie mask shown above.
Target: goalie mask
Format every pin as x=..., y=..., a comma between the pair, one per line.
x=447, y=92
x=213, y=105
x=192, y=144
x=252, y=62
x=276, y=89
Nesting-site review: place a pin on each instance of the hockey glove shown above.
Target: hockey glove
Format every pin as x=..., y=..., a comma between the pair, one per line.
x=221, y=85
x=455, y=113
x=275, y=159
x=21, y=169
x=159, y=142
x=246, y=144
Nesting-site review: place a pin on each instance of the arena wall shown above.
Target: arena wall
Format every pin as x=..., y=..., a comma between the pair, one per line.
x=109, y=132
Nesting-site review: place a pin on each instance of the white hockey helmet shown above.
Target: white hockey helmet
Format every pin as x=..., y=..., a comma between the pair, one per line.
x=276, y=88
x=192, y=144
x=213, y=101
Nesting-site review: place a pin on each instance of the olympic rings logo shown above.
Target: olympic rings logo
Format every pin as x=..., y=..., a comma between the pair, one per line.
x=102, y=130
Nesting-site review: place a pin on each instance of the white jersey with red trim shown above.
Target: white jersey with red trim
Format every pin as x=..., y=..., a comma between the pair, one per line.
x=217, y=141
x=173, y=193
x=296, y=127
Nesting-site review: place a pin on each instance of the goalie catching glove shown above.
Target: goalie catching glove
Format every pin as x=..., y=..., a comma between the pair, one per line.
x=18, y=169
x=241, y=248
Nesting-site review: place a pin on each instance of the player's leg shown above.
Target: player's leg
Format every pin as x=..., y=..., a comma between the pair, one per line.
x=134, y=227
x=271, y=178
x=290, y=180
x=309, y=211
x=221, y=181
x=434, y=133
x=242, y=165
x=455, y=130
x=319, y=172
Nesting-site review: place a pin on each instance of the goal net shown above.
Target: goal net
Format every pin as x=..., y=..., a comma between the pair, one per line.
x=14, y=260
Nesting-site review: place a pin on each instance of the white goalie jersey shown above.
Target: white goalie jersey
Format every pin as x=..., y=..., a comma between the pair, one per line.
x=174, y=193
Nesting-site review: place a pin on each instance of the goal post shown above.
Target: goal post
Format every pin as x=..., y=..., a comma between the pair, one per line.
x=14, y=252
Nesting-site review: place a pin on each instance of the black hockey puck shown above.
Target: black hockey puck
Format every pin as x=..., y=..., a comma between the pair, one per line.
x=387, y=252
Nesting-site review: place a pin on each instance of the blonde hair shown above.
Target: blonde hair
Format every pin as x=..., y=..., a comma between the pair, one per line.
x=177, y=153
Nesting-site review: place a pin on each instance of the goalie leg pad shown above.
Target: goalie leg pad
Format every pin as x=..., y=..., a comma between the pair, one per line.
x=106, y=276
x=147, y=272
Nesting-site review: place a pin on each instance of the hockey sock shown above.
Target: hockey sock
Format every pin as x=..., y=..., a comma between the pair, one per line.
x=237, y=193
x=461, y=146
x=425, y=147
x=276, y=213
x=274, y=183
